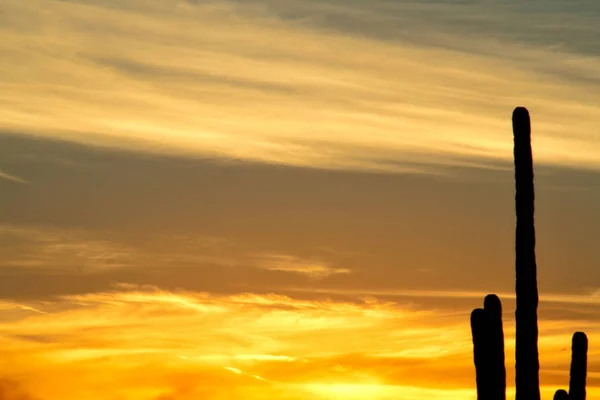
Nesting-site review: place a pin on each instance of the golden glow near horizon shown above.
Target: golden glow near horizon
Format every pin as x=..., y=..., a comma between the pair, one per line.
x=154, y=274
x=139, y=343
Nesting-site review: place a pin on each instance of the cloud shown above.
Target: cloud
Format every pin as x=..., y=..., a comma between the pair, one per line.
x=200, y=334
x=324, y=84
x=91, y=260
x=183, y=344
x=592, y=298
x=50, y=248
x=4, y=175
x=287, y=263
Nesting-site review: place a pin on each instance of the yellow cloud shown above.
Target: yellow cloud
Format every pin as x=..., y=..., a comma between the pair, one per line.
x=287, y=263
x=47, y=248
x=142, y=343
x=236, y=81
x=13, y=178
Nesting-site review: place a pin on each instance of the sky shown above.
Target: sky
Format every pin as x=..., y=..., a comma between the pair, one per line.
x=288, y=199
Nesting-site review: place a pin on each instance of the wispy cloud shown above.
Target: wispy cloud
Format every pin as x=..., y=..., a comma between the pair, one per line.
x=84, y=256
x=10, y=177
x=233, y=343
x=329, y=84
x=52, y=249
x=589, y=298
x=287, y=263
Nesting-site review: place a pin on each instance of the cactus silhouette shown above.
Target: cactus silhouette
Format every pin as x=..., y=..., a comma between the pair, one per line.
x=486, y=322
x=561, y=395
x=488, y=350
x=578, y=366
x=527, y=363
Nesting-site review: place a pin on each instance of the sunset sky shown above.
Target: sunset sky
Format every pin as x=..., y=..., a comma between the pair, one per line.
x=288, y=199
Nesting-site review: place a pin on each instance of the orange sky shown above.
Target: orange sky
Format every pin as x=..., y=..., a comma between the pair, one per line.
x=138, y=342
x=287, y=199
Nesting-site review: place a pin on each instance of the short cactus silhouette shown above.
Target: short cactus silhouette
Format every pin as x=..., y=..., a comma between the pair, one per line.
x=578, y=366
x=561, y=395
x=488, y=349
x=486, y=322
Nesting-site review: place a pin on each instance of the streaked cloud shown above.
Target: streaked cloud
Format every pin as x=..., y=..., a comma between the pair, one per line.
x=392, y=86
x=4, y=175
x=48, y=248
x=592, y=298
x=312, y=269
x=149, y=342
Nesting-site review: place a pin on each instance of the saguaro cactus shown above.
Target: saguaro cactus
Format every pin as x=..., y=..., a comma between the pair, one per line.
x=561, y=395
x=527, y=364
x=578, y=370
x=486, y=323
x=488, y=350
x=578, y=366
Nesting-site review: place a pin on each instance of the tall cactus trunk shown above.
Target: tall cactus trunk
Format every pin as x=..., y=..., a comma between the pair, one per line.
x=527, y=357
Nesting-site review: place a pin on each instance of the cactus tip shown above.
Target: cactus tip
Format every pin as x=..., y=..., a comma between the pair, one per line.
x=492, y=303
x=521, y=112
x=477, y=313
x=521, y=117
x=579, y=336
x=580, y=340
x=561, y=395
